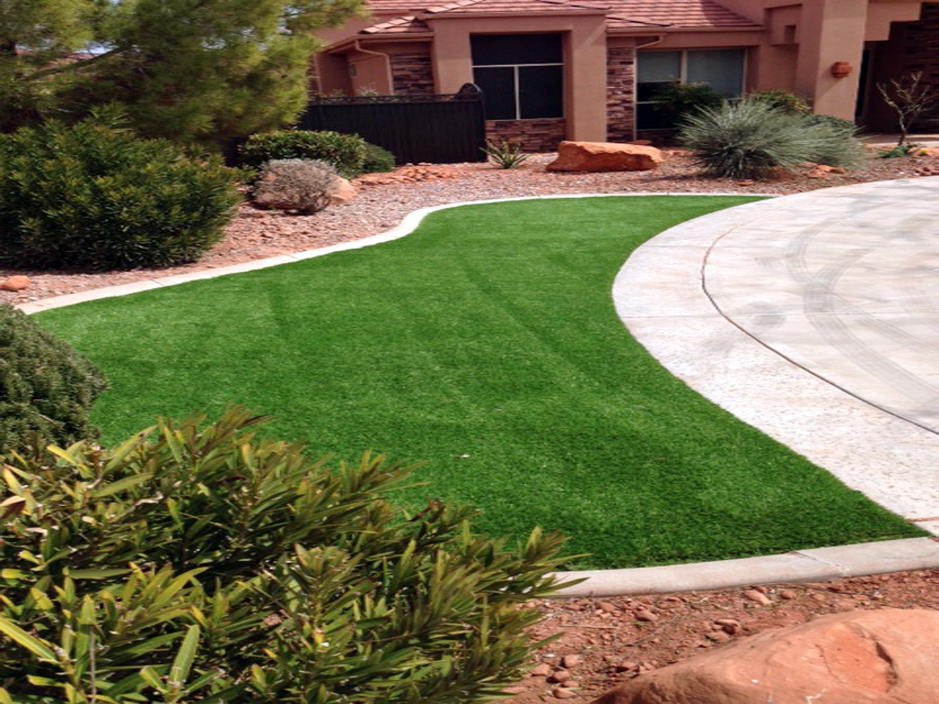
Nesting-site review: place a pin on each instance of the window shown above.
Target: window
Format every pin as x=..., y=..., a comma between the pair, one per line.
x=521, y=75
x=722, y=69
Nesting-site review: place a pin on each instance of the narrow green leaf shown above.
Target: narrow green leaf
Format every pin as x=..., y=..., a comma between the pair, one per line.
x=122, y=485
x=179, y=672
x=34, y=645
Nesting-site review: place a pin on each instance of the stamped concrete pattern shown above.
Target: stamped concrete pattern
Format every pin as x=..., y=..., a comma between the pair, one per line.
x=814, y=318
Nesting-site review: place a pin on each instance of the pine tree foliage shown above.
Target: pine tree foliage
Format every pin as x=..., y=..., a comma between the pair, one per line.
x=188, y=70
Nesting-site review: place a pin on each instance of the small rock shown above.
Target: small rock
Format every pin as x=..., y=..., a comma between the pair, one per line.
x=757, y=596
x=561, y=693
x=560, y=676
x=645, y=615
x=569, y=661
x=514, y=689
x=627, y=666
x=728, y=625
x=15, y=283
x=787, y=594
x=718, y=636
x=541, y=670
x=608, y=607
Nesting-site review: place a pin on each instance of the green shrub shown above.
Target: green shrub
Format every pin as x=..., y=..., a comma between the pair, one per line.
x=751, y=139
x=675, y=101
x=783, y=100
x=46, y=388
x=346, y=152
x=377, y=160
x=199, y=563
x=94, y=196
x=304, y=185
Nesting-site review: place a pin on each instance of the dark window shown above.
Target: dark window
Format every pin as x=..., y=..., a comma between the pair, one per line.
x=512, y=49
x=722, y=69
x=521, y=75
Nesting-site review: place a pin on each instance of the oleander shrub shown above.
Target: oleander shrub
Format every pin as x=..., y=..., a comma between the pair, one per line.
x=303, y=185
x=94, y=196
x=46, y=388
x=203, y=563
x=346, y=152
x=751, y=139
x=377, y=160
x=783, y=100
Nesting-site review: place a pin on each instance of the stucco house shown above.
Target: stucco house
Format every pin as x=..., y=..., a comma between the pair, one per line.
x=585, y=69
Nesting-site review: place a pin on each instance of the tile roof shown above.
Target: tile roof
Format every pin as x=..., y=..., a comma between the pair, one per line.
x=621, y=14
x=400, y=25
x=676, y=13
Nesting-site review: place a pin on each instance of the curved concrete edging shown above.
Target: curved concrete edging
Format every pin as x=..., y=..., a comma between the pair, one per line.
x=809, y=565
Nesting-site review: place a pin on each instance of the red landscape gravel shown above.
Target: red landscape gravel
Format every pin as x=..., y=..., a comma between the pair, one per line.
x=384, y=199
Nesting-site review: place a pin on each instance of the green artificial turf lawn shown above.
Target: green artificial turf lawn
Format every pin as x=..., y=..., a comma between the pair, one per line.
x=487, y=344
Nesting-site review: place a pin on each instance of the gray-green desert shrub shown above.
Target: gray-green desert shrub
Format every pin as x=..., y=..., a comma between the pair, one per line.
x=752, y=139
x=304, y=185
x=94, y=196
x=46, y=388
x=346, y=152
x=197, y=563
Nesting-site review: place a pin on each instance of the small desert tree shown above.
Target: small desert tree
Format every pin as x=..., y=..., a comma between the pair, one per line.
x=909, y=97
x=203, y=71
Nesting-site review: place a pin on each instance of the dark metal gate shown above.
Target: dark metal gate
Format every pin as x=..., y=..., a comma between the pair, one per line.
x=438, y=129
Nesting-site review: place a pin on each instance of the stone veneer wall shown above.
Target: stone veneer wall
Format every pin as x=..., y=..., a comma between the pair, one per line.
x=922, y=50
x=620, y=81
x=413, y=74
x=536, y=136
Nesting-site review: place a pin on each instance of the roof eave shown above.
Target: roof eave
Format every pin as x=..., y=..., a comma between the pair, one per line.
x=548, y=13
x=672, y=28
x=350, y=42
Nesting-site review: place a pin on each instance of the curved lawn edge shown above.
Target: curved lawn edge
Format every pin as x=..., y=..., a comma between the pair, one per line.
x=745, y=569
x=408, y=224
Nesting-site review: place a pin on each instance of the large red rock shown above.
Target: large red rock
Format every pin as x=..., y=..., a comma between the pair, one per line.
x=605, y=156
x=15, y=283
x=888, y=656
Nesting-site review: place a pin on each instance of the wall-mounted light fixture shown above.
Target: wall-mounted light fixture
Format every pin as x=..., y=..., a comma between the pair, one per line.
x=841, y=69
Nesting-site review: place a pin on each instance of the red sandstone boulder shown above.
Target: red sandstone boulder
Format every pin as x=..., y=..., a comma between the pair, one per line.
x=15, y=283
x=887, y=656
x=605, y=156
x=341, y=192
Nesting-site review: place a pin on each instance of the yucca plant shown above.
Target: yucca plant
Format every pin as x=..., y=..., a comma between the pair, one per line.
x=201, y=563
x=505, y=155
x=751, y=139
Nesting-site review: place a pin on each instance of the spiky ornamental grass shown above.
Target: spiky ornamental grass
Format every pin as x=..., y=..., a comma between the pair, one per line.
x=750, y=139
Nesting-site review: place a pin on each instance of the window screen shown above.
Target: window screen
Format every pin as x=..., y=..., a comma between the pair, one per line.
x=521, y=75
x=721, y=69
x=513, y=49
